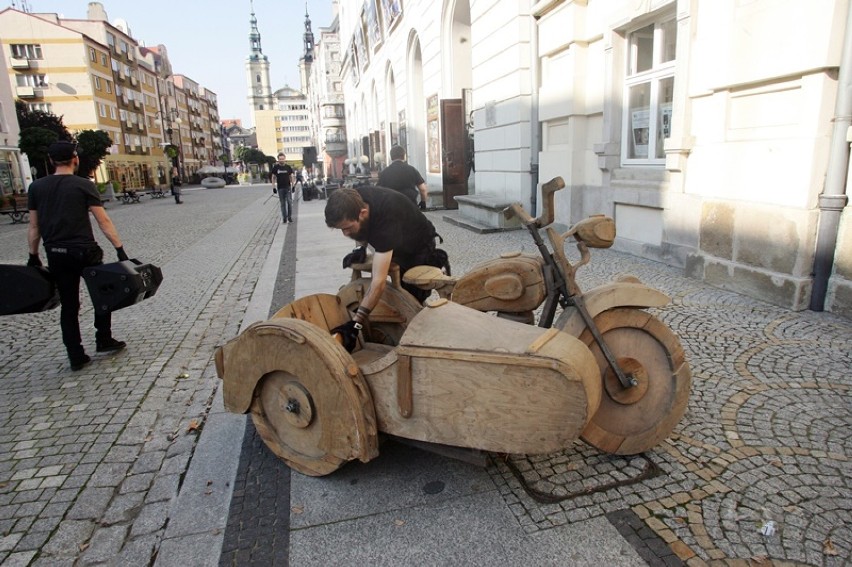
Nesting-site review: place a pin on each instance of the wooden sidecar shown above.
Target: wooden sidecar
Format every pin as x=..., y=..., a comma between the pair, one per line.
x=457, y=377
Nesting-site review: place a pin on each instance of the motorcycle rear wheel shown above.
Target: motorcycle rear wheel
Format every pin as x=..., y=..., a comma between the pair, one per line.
x=633, y=420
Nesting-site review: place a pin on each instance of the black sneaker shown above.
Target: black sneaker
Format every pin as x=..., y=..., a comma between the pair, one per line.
x=110, y=345
x=78, y=362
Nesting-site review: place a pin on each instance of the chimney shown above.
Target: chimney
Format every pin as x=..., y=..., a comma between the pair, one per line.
x=96, y=12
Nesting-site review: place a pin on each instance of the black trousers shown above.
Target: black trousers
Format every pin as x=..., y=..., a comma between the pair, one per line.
x=66, y=266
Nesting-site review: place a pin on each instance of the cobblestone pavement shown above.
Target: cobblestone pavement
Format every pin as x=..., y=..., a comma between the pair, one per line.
x=765, y=444
x=91, y=461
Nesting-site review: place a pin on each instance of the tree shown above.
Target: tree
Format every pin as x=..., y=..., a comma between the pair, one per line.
x=92, y=147
x=28, y=118
x=34, y=142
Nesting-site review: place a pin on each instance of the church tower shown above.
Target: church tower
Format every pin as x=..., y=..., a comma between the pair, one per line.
x=307, y=59
x=257, y=72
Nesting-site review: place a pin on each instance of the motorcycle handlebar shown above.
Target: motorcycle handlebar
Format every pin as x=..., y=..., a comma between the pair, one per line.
x=547, y=209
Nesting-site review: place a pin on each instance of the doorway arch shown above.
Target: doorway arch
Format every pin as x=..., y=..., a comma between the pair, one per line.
x=415, y=120
x=456, y=52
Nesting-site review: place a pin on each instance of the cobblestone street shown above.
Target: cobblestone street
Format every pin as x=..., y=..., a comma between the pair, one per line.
x=92, y=460
x=766, y=437
x=91, y=463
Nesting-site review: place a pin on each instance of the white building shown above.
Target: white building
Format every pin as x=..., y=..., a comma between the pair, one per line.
x=711, y=131
x=325, y=100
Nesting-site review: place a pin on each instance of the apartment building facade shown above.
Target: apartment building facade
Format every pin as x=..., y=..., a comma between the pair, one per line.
x=96, y=76
x=326, y=101
x=696, y=125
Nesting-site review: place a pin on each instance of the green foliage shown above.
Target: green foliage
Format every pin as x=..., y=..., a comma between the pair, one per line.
x=92, y=147
x=34, y=141
x=251, y=155
x=39, y=119
x=171, y=151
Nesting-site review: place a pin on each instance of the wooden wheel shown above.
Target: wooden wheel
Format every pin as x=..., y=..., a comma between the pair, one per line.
x=633, y=420
x=312, y=406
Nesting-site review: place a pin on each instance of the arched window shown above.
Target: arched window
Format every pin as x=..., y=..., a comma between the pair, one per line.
x=257, y=78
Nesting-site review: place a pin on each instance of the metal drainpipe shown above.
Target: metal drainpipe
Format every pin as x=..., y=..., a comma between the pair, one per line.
x=834, y=198
x=535, y=137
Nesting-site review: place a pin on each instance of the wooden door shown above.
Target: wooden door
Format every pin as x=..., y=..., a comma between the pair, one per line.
x=454, y=151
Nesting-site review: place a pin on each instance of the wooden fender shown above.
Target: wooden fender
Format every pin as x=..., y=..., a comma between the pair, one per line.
x=469, y=379
x=308, y=400
x=388, y=320
x=631, y=293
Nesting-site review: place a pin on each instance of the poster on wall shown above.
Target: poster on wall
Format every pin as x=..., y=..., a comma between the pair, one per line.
x=433, y=134
x=403, y=139
x=373, y=27
x=639, y=124
x=391, y=12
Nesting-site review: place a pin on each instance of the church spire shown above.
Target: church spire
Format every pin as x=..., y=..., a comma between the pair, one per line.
x=255, y=53
x=309, y=38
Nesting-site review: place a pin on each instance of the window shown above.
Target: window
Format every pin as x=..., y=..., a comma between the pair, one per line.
x=36, y=80
x=93, y=57
x=649, y=91
x=43, y=106
x=108, y=86
x=26, y=51
x=97, y=83
x=102, y=108
x=103, y=59
x=112, y=112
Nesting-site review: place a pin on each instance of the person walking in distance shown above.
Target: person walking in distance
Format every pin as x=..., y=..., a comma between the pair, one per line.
x=176, y=183
x=404, y=178
x=281, y=177
x=59, y=207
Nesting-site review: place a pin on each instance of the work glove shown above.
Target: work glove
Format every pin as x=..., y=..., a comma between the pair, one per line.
x=357, y=256
x=422, y=205
x=274, y=190
x=347, y=334
x=34, y=261
x=122, y=255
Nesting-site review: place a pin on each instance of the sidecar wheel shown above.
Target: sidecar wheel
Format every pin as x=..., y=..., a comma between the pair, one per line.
x=633, y=420
x=312, y=407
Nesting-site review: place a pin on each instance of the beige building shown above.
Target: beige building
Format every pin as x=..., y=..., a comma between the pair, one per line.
x=15, y=175
x=96, y=76
x=717, y=143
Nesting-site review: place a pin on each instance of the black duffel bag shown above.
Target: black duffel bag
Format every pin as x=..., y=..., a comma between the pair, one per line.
x=26, y=289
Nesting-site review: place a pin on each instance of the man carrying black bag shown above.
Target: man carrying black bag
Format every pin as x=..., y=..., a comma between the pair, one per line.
x=59, y=207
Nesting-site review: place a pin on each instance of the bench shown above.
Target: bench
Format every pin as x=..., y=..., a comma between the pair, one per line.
x=16, y=207
x=130, y=196
x=157, y=193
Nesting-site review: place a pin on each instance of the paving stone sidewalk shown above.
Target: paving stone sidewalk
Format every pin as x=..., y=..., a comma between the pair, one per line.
x=91, y=462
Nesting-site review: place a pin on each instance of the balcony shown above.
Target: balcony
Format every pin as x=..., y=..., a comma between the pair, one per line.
x=25, y=92
x=134, y=81
x=335, y=149
x=18, y=63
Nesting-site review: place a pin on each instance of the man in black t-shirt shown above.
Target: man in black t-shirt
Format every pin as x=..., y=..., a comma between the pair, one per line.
x=59, y=206
x=281, y=177
x=404, y=178
x=391, y=224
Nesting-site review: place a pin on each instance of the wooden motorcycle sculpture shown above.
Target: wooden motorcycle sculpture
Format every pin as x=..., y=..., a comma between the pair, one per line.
x=451, y=373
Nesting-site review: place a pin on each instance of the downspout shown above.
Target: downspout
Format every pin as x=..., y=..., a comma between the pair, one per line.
x=833, y=198
x=535, y=127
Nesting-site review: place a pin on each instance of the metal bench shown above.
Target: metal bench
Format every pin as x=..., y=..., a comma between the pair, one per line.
x=15, y=206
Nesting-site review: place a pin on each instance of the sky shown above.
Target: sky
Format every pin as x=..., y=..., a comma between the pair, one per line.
x=207, y=40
